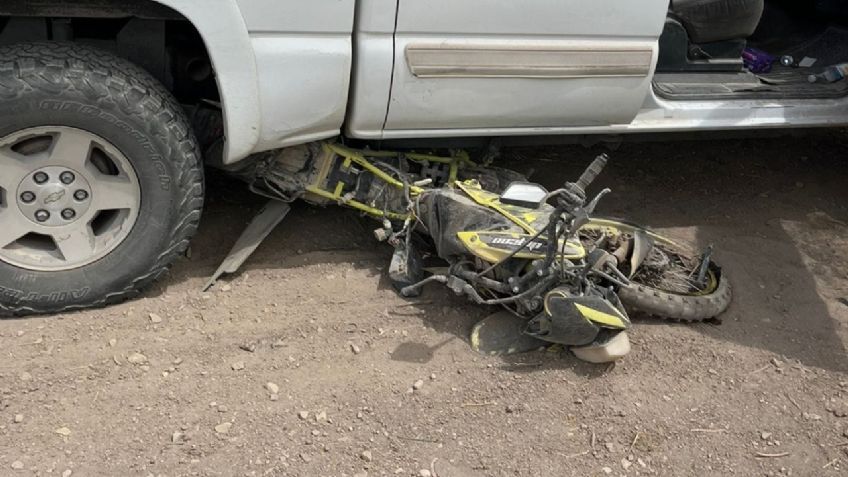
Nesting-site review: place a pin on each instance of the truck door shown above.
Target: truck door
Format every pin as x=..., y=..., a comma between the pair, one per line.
x=482, y=67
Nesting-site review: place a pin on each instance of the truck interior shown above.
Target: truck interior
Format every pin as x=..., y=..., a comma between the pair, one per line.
x=752, y=49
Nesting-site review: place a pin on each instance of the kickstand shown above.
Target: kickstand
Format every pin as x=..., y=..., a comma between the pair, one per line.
x=258, y=229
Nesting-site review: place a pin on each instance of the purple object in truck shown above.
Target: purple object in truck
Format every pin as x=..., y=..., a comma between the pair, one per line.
x=757, y=61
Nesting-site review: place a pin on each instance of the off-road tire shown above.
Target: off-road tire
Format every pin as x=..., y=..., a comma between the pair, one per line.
x=661, y=304
x=59, y=84
x=677, y=307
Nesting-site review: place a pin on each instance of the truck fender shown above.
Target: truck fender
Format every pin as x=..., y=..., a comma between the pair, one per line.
x=225, y=35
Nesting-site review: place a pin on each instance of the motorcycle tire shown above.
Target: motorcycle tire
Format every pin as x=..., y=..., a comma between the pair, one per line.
x=675, y=305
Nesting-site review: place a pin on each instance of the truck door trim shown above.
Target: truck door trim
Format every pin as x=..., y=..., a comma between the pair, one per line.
x=530, y=61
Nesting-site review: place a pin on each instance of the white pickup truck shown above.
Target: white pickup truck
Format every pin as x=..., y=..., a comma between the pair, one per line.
x=109, y=108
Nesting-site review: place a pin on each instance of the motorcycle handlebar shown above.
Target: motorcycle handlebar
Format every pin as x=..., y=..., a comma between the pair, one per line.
x=592, y=172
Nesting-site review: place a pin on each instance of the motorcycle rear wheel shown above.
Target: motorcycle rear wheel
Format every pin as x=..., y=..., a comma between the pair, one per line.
x=649, y=294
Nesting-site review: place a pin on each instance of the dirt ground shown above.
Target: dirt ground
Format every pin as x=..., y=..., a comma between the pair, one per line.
x=304, y=363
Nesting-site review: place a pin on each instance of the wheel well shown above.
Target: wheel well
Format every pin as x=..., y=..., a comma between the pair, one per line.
x=151, y=35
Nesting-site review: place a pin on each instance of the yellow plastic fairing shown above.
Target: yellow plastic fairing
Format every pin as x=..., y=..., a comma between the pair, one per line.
x=601, y=317
x=495, y=246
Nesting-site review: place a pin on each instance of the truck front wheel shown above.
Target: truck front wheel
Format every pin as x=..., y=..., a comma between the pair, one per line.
x=101, y=181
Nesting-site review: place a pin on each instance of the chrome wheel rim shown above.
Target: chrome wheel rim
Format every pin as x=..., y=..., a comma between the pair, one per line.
x=67, y=198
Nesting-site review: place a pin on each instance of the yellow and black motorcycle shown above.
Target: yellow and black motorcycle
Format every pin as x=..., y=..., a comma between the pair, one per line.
x=502, y=241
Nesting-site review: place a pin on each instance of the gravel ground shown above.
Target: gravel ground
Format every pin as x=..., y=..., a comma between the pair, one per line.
x=307, y=363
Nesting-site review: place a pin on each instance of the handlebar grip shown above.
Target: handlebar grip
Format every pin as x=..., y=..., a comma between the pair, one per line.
x=592, y=172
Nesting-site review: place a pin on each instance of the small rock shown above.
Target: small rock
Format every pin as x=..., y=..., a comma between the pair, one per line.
x=303, y=414
x=432, y=376
x=425, y=473
x=776, y=363
x=17, y=465
x=223, y=428
x=113, y=342
x=19, y=418
x=321, y=417
x=274, y=397
x=305, y=458
x=610, y=447
x=316, y=432
x=137, y=359
x=177, y=437
x=418, y=384
x=625, y=464
x=361, y=474
x=63, y=431
x=238, y=365
x=510, y=409
x=272, y=388
x=606, y=470
x=67, y=473
x=223, y=408
x=154, y=318
x=845, y=432
x=355, y=349
x=811, y=417
x=838, y=408
x=765, y=435
x=25, y=376
x=249, y=347
x=366, y=456
x=226, y=288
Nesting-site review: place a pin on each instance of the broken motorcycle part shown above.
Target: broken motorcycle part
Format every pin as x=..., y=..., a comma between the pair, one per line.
x=258, y=229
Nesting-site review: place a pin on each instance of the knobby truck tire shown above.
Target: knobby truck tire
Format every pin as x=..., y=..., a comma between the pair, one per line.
x=61, y=84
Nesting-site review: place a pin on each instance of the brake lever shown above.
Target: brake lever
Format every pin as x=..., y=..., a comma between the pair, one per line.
x=590, y=209
x=581, y=215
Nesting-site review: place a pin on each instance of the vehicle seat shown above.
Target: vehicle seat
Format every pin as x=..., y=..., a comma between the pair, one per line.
x=709, y=21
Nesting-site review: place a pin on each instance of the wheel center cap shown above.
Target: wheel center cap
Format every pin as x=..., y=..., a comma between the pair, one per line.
x=54, y=196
